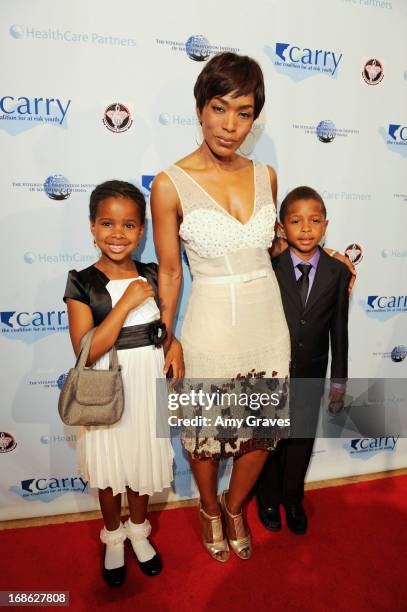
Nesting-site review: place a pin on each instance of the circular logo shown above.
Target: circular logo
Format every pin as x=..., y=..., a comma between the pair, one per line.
x=164, y=119
x=399, y=353
x=354, y=253
x=45, y=439
x=373, y=72
x=385, y=253
x=117, y=118
x=57, y=187
x=326, y=130
x=29, y=258
x=7, y=442
x=61, y=380
x=197, y=48
x=17, y=31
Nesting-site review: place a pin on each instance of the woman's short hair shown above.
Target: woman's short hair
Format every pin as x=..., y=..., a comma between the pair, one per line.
x=226, y=73
x=116, y=189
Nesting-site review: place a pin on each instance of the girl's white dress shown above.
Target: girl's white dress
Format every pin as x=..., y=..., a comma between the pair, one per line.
x=129, y=453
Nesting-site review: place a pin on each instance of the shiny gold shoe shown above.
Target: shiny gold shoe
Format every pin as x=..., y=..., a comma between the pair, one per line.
x=212, y=536
x=237, y=532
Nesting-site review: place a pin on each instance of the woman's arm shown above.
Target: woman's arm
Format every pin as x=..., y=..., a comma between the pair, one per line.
x=81, y=320
x=164, y=209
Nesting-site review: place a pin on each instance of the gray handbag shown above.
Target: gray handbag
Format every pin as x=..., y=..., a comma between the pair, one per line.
x=89, y=396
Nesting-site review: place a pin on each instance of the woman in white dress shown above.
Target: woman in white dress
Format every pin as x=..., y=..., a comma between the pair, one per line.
x=222, y=206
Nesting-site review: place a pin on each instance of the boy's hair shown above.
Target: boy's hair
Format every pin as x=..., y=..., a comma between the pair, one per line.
x=229, y=72
x=116, y=189
x=300, y=193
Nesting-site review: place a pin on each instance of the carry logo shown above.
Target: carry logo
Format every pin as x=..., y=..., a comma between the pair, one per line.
x=299, y=63
x=48, y=489
x=364, y=448
x=32, y=326
x=21, y=113
x=384, y=307
x=395, y=137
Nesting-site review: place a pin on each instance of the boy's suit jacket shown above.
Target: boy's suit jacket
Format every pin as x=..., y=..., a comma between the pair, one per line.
x=324, y=317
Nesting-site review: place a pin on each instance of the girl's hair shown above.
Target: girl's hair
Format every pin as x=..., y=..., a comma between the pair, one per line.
x=226, y=73
x=300, y=193
x=116, y=189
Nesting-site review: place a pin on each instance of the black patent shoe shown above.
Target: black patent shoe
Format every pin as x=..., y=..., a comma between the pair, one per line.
x=297, y=520
x=152, y=567
x=114, y=577
x=270, y=517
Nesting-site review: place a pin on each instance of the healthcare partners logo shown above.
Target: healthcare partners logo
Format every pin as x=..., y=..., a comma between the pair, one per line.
x=375, y=4
x=30, y=258
x=19, y=32
x=384, y=307
x=394, y=253
x=117, y=118
x=326, y=131
x=32, y=326
x=364, y=448
x=354, y=253
x=177, y=120
x=395, y=137
x=48, y=489
x=298, y=62
x=21, y=113
x=197, y=47
x=7, y=442
x=58, y=439
x=373, y=72
x=353, y=196
x=48, y=382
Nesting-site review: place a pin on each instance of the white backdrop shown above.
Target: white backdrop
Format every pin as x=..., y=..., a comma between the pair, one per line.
x=63, y=64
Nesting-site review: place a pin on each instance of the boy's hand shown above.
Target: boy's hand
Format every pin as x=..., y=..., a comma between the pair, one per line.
x=336, y=400
x=136, y=293
x=174, y=361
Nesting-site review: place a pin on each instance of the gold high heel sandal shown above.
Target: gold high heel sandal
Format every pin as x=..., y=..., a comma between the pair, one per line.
x=212, y=536
x=237, y=532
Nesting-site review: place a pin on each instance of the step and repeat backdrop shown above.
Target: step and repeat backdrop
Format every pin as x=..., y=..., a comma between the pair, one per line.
x=94, y=91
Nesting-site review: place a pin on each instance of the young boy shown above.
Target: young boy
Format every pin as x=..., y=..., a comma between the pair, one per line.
x=314, y=291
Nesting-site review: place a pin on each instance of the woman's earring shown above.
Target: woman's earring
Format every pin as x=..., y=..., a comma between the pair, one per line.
x=250, y=147
x=198, y=135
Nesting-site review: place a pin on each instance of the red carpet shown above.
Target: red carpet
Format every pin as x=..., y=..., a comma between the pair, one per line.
x=352, y=559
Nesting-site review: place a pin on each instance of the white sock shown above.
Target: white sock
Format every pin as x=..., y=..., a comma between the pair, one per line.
x=114, y=540
x=139, y=540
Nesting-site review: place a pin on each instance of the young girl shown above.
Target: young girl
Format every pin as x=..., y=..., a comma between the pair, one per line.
x=113, y=296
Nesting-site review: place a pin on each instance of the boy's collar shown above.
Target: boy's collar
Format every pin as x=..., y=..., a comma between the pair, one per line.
x=312, y=262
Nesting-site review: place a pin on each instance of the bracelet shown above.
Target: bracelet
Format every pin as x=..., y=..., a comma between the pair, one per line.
x=333, y=253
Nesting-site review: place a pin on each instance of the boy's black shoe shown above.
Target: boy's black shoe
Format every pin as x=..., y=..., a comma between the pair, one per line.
x=297, y=520
x=269, y=516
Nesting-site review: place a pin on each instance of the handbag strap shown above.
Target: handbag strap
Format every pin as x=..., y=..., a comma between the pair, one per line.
x=83, y=355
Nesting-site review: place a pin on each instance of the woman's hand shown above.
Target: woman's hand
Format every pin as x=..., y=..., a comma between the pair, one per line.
x=174, y=359
x=136, y=293
x=345, y=260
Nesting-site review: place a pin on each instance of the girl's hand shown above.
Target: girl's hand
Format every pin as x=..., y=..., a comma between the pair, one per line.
x=174, y=359
x=136, y=293
x=345, y=260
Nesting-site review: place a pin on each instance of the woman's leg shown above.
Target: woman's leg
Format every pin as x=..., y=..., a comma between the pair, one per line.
x=205, y=472
x=246, y=470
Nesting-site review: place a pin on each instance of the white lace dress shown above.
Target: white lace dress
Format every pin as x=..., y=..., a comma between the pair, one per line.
x=234, y=323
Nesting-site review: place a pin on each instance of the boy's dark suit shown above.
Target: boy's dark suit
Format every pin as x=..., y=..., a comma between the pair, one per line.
x=324, y=317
